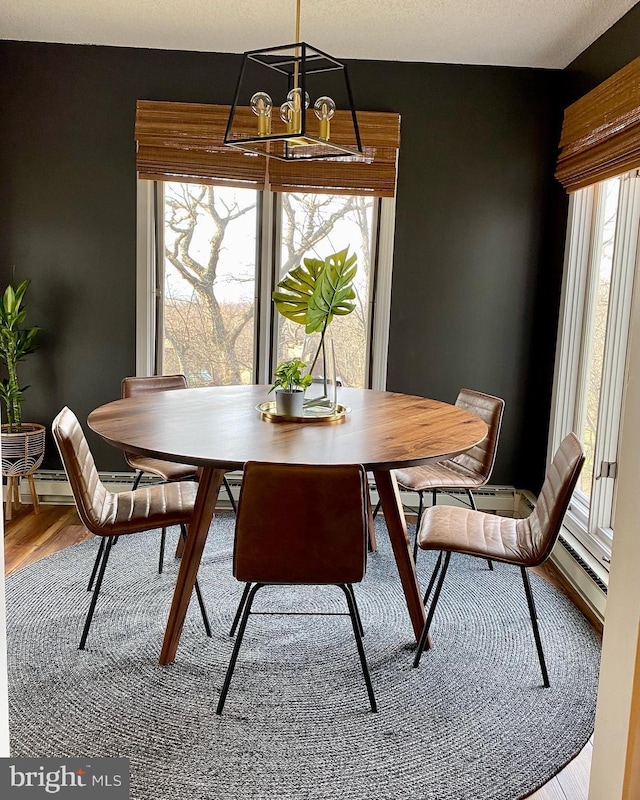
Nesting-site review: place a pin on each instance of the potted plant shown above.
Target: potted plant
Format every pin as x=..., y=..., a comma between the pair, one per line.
x=289, y=386
x=311, y=294
x=22, y=442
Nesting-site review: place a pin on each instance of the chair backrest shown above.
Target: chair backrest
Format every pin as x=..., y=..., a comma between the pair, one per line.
x=481, y=458
x=130, y=387
x=537, y=533
x=301, y=524
x=88, y=490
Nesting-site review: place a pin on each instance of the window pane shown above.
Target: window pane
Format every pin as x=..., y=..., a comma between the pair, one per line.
x=597, y=327
x=317, y=225
x=210, y=279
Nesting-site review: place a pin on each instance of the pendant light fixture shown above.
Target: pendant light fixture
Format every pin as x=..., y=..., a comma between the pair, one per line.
x=293, y=102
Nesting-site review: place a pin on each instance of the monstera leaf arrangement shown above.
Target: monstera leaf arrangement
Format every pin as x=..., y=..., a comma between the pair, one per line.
x=316, y=291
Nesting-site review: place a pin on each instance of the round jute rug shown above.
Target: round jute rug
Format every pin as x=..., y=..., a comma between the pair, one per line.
x=471, y=723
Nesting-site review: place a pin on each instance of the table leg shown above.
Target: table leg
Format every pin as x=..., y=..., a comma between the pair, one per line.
x=397, y=527
x=208, y=488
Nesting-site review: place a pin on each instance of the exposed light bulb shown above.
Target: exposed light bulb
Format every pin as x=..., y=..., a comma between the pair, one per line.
x=286, y=114
x=324, y=108
x=295, y=98
x=261, y=105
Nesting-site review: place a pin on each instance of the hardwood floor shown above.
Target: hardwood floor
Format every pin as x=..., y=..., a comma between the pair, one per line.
x=29, y=537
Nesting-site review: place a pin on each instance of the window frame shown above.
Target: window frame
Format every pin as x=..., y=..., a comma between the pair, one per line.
x=591, y=521
x=149, y=290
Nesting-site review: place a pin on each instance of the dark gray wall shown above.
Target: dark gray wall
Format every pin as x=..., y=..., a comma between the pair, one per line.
x=615, y=48
x=477, y=267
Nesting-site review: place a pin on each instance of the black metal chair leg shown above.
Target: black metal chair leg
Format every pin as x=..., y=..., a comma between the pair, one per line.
x=163, y=539
x=96, y=592
x=427, y=624
x=243, y=600
x=418, y=520
x=96, y=564
x=236, y=647
x=203, y=609
x=472, y=502
x=377, y=508
x=534, y=623
x=355, y=615
x=432, y=580
x=232, y=499
x=355, y=605
x=136, y=480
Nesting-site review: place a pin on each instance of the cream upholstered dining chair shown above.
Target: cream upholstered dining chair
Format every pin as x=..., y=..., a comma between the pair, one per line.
x=324, y=542
x=109, y=514
x=522, y=542
x=469, y=470
x=165, y=470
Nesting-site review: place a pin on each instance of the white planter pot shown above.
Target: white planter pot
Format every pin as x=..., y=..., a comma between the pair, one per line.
x=289, y=404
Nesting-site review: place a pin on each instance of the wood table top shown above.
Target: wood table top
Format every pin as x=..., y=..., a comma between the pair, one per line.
x=220, y=427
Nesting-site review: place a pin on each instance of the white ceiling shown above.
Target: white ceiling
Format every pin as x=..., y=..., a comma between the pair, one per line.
x=528, y=33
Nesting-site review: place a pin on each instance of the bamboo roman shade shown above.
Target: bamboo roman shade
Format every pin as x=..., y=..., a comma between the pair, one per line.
x=601, y=131
x=183, y=142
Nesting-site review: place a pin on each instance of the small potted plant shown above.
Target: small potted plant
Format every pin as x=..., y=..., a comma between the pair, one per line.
x=22, y=442
x=289, y=386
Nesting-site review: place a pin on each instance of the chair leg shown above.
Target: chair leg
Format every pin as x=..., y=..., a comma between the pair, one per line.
x=163, y=539
x=137, y=479
x=96, y=592
x=243, y=600
x=472, y=502
x=534, y=623
x=355, y=605
x=355, y=617
x=236, y=647
x=419, y=520
x=203, y=609
x=232, y=499
x=96, y=563
x=432, y=579
x=427, y=624
x=377, y=508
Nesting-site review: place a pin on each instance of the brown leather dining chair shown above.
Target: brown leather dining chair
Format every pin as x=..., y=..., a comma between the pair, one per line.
x=324, y=543
x=165, y=470
x=469, y=470
x=522, y=542
x=112, y=514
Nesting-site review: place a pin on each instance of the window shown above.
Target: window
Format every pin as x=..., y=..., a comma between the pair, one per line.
x=600, y=264
x=210, y=256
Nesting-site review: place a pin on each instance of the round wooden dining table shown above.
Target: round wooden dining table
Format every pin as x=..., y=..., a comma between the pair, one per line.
x=220, y=428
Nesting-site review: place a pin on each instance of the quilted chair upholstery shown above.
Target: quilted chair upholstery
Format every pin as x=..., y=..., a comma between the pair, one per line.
x=112, y=514
x=522, y=542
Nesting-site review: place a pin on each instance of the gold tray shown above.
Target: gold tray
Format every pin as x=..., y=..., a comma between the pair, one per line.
x=268, y=414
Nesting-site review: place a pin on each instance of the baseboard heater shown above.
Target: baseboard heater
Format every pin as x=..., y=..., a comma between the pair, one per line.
x=52, y=487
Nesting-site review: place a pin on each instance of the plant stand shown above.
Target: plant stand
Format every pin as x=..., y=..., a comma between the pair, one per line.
x=22, y=454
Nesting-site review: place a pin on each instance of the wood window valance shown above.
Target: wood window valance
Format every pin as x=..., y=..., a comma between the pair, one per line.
x=183, y=142
x=601, y=131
